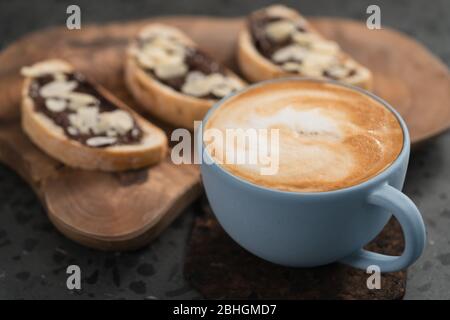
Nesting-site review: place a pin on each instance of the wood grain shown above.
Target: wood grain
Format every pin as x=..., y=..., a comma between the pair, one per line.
x=125, y=211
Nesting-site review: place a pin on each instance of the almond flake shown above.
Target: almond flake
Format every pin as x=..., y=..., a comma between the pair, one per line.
x=222, y=90
x=111, y=133
x=135, y=132
x=338, y=71
x=71, y=130
x=100, y=141
x=326, y=47
x=119, y=120
x=310, y=70
x=85, y=119
x=170, y=70
x=291, y=67
x=60, y=76
x=305, y=39
x=318, y=61
x=57, y=88
x=44, y=68
x=169, y=45
x=280, y=30
x=234, y=83
x=290, y=53
x=145, y=60
x=196, y=88
x=194, y=76
x=79, y=99
x=55, y=105
x=198, y=84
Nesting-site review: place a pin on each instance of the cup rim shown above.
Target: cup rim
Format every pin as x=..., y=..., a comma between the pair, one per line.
x=379, y=177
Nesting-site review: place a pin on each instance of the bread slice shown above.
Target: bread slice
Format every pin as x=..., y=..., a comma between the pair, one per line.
x=161, y=100
x=52, y=139
x=257, y=67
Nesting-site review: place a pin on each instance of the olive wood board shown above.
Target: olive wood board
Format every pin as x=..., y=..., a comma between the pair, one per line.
x=220, y=269
x=124, y=211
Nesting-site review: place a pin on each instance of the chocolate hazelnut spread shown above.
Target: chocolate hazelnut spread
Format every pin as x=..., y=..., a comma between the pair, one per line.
x=292, y=43
x=184, y=67
x=256, y=23
x=62, y=116
x=196, y=60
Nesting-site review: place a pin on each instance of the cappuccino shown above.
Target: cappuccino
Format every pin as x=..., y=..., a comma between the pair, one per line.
x=328, y=137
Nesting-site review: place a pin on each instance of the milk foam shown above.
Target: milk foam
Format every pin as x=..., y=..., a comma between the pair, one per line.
x=303, y=122
x=330, y=137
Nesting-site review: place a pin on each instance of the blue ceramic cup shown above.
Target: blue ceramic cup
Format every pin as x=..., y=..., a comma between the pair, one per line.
x=312, y=229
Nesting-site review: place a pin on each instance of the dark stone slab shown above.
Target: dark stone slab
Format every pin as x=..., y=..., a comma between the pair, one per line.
x=220, y=269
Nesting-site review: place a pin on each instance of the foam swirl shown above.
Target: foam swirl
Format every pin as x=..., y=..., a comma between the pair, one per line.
x=330, y=137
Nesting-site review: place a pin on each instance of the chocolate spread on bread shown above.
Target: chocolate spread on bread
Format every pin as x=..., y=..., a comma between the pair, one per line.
x=63, y=110
x=182, y=66
x=257, y=22
x=196, y=60
x=291, y=44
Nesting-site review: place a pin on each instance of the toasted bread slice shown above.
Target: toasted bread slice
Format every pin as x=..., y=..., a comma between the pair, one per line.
x=148, y=149
x=169, y=104
x=255, y=66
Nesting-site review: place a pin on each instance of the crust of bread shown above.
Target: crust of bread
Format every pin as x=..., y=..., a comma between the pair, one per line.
x=255, y=67
x=162, y=101
x=52, y=140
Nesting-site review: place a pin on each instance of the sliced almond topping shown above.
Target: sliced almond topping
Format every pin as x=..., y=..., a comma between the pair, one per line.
x=235, y=83
x=310, y=70
x=222, y=90
x=79, y=100
x=73, y=131
x=85, y=119
x=215, y=79
x=291, y=66
x=326, y=47
x=111, y=133
x=57, y=88
x=194, y=76
x=135, y=132
x=170, y=70
x=119, y=120
x=150, y=32
x=100, y=141
x=197, y=87
x=290, y=53
x=318, y=61
x=338, y=71
x=145, y=60
x=55, y=105
x=303, y=69
x=280, y=30
x=43, y=68
x=59, y=76
x=170, y=45
x=305, y=39
x=315, y=42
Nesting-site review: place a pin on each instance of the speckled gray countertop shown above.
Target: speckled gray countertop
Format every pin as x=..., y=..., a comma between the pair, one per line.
x=34, y=256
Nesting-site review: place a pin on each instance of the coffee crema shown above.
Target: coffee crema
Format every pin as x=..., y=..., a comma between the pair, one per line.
x=329, y=136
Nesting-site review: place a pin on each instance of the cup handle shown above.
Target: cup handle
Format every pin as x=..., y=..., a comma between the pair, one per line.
x=413, y=227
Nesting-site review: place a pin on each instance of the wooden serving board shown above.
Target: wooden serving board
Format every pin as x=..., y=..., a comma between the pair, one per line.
x=126, y=210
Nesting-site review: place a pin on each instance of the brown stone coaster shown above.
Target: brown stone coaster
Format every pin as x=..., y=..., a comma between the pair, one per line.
x=220, y=269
